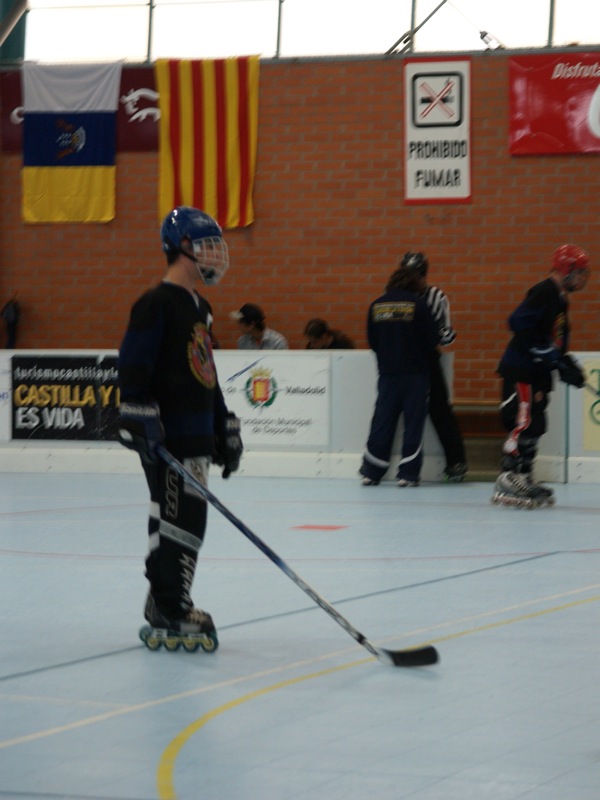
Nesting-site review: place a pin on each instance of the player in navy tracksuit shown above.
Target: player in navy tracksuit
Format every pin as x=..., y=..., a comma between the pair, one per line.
x=170, y=394
x=539, y=345
x=403, y=335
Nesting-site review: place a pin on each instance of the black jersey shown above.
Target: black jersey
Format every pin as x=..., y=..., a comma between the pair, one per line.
x=540, y=329
x=402, y=332
x=166, y=356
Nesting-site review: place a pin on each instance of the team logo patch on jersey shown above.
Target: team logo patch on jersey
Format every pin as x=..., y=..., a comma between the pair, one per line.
x=403, y=311
x=200, y=357
x=261, y=388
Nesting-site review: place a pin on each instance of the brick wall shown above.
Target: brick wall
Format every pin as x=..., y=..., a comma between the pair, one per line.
x=330, y=225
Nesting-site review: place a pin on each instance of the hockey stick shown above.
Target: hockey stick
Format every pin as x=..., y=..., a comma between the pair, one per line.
x=416, y=657
x=592, y=389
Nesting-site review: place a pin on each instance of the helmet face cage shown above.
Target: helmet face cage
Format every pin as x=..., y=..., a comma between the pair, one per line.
x=206, y=244
x=212, y=258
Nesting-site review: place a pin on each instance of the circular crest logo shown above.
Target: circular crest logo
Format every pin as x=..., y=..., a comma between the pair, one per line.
x=200, y=356
x=261, y=388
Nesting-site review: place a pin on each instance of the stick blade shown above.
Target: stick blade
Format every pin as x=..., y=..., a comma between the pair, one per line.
x=419, y=657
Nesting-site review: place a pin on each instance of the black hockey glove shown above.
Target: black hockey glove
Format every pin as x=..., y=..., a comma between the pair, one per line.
x=545, y=354
x=570, y=372
x=140, y=429
x=228, y=445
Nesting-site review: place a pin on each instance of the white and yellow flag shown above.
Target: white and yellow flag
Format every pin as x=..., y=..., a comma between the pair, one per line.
x=69, y=141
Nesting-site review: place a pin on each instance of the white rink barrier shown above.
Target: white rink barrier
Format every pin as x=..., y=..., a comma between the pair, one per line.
x=304, y=414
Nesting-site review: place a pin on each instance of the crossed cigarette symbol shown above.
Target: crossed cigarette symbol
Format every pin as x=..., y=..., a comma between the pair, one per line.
x=438, y=99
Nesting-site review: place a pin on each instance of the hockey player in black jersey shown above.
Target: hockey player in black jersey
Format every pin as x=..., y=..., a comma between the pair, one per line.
x=441, y=412
x=170, y=395
x=539, y=345
x=403, y=335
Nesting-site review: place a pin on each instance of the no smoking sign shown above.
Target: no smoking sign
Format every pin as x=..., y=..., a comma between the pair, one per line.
x=437, y=99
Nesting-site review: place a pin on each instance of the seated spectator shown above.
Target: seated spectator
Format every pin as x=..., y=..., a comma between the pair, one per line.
x=255, y=334
x=321, y=337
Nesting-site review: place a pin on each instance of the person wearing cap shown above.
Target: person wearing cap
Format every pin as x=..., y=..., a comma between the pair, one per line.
x=255, y=334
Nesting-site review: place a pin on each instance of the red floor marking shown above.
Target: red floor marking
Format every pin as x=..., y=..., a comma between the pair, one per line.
x=319, y=527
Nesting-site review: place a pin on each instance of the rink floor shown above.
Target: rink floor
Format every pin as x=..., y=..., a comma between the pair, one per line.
x=290, y=707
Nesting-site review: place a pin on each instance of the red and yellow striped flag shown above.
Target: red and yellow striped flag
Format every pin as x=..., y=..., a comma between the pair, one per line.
x=208, y=132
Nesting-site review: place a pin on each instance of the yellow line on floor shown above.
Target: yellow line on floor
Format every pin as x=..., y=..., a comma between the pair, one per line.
x=164, y=776
x=130, y=709
x=165, y=786
x=149, y=704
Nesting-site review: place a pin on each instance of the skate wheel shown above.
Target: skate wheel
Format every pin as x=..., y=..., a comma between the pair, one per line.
x=171, y=644
x=149, y=638
x=190, y=645
x=210, y=643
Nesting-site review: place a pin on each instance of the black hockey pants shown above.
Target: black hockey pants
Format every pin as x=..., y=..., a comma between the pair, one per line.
x=176, y=528
x=443, y=418
x=523, y=411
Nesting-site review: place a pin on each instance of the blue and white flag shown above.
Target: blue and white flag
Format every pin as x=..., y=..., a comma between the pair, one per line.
x=69, y=141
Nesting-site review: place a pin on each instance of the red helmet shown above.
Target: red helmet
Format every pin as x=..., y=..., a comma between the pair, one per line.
x=569, y=258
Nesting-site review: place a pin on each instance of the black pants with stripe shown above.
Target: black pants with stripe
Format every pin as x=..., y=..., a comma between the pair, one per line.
x=523, y=413
x=176, y=528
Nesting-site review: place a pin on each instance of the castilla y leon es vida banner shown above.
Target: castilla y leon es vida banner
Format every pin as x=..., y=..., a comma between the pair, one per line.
x=437, y=125
x=281, y=402
x=64, y=397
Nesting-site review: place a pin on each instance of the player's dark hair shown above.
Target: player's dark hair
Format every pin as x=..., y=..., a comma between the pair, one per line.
x=402, y=278
x=316, y=328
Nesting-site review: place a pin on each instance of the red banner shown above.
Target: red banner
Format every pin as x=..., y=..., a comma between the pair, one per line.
x=137, y=115
x=555, y=104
